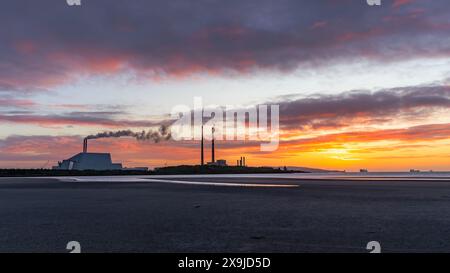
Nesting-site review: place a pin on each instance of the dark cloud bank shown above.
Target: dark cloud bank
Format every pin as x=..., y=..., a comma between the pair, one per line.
x=47, y=43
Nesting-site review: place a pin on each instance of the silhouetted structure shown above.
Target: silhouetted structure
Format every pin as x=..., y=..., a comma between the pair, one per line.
x=202, y=160
x=89, y=161
x=92, y=161
x=221, y=162
x=85, y=144
x=212, y=146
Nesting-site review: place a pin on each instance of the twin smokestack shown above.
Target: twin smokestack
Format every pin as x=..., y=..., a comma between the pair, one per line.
x=241, y=162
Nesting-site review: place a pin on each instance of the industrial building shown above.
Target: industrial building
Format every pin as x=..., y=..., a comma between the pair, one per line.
x=102, y=161
x=241, y=162
x=91, y=161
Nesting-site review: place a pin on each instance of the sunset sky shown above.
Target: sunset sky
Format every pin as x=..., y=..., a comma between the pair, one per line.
x=358, y=86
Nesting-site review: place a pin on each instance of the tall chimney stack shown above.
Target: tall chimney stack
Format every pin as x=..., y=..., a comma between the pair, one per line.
x=85, y=145
x=202, y=158
x=243, y=161
x=212, y=146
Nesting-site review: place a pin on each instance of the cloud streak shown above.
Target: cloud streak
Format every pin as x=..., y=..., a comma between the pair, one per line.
x=79, y=119
x=314, y=112
x=345, y=109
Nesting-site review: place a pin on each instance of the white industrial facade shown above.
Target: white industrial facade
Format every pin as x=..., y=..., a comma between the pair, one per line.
x=89, y=161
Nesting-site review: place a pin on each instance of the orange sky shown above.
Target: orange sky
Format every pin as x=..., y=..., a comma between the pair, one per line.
x=377, y=150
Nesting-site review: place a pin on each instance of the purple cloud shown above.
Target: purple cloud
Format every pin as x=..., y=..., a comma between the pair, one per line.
x=47, y=43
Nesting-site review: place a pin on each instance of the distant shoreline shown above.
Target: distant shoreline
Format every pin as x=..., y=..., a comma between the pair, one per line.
x=171, y=170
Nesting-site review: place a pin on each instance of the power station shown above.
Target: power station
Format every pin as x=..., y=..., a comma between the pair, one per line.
x=102, y=161
x=91, y=161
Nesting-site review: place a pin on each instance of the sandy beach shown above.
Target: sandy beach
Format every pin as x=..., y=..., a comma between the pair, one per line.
x=302, y=215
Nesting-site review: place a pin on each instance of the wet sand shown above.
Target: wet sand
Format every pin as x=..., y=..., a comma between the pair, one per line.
x=43, y=214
